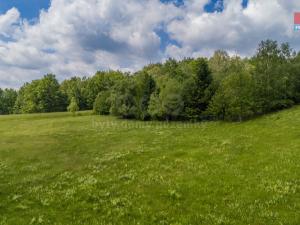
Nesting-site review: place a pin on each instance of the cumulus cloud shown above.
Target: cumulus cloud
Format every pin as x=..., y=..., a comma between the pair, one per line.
x=9, y=23
x=78, y=37
x=235, y=29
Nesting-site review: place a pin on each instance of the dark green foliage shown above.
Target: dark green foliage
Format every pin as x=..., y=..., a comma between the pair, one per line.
x=219, y=87
x=145, y=86
x=123, y=99
x=294, y=70
x=196, y=92
x=167, y=103
x=272, y=76
x=234, y=99
x=170, y=68
x=101, y=81
x=102, y=103
x=130, y=96
x=7, y=101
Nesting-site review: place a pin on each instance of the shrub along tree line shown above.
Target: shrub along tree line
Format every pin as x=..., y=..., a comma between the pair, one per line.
x=220, y=87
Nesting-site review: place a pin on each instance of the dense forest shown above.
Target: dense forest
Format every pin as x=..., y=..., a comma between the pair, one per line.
x=220, y=87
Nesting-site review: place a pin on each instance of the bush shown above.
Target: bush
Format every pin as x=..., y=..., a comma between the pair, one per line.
x=234, y=100
x=168, y=103
x=73, y=107
x=102, y=103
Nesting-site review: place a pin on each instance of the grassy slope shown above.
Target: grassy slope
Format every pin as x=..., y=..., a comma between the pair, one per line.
x=59, y=169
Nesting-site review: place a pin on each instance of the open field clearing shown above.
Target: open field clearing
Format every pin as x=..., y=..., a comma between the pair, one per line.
x=63, y=169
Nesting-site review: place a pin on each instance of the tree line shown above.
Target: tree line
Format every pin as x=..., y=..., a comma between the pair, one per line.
x=221, y=87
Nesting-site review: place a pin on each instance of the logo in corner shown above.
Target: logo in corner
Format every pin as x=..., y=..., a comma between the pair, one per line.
x=297, y=21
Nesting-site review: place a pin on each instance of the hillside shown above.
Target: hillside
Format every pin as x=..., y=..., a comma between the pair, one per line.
x=60, y=169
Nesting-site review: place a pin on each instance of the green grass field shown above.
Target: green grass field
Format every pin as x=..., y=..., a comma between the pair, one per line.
x=86, y=169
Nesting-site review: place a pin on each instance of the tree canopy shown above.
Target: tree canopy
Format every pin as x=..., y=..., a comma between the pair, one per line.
x=220, y=87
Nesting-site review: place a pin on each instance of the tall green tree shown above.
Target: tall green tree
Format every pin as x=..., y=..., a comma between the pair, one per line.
x=102, y=103
x=234, y=99
x=73, y=106
x=271, y=76
x=167, y=102
x=145, y=86
x=123, y=99
x=294, y=70
x=74, y=87
x=196, y=89
x=219, y=64
x=101, y=81
x=40, y=96
x=7, y=101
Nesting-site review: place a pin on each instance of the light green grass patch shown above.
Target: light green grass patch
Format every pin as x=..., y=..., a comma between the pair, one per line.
x=62, y=169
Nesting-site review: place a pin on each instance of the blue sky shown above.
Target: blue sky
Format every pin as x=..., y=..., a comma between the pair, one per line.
x=79, y=37
x=29, y=9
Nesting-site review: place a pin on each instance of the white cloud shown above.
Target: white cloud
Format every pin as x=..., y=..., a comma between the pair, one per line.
x=235, y=29
x=78, y=37
x=9, y=23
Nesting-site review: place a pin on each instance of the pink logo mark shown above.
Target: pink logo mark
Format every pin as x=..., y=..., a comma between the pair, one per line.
x=297, y=18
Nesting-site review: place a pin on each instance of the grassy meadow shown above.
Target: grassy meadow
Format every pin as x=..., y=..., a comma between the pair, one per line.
x=62, y=169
